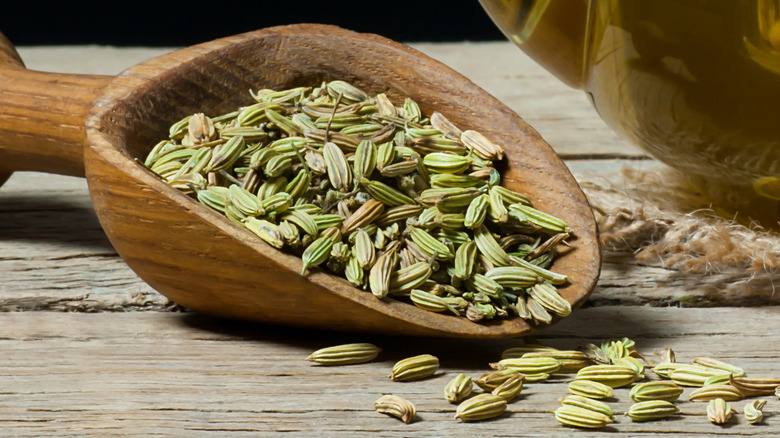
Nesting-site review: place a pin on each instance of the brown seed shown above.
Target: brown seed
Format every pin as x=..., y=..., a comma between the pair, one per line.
x=366, y=214
x=493, y=379
x=396, y=406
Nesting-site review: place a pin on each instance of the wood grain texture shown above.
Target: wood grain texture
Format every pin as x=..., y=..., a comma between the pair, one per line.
x=151, y=374
x=9, y=57
x=42, y=117
x=162, y=374
x=202, y=261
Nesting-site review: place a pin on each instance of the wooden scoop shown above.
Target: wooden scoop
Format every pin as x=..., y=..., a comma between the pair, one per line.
x=99, y=126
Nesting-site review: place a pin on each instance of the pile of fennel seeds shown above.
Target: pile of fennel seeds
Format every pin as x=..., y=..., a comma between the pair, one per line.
x=397, y=203
x=596, y=375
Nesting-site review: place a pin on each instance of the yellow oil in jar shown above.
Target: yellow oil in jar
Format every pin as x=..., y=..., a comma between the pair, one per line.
x=695, y=83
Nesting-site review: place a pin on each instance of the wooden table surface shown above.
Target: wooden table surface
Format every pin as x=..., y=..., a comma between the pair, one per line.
x=88, y=349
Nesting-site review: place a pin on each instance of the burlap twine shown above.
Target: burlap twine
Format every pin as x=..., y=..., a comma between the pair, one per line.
x=664, y=220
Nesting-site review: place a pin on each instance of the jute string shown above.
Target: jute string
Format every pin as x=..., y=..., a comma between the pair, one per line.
x=664, y=219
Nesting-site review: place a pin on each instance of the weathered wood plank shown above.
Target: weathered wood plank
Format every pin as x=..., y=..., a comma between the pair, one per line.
x=563, y=116
x=55, y=256
x=182, y=374
x=163, y=374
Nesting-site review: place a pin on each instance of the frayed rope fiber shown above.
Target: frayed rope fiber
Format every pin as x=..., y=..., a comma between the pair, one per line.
x=666, y=219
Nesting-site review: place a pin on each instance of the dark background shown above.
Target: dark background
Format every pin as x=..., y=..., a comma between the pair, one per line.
x=132, y=23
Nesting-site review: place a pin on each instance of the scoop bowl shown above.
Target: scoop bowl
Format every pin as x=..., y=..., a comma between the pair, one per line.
x=101, y=126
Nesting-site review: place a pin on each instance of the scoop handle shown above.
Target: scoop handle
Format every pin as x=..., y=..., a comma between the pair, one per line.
x=42, y=116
